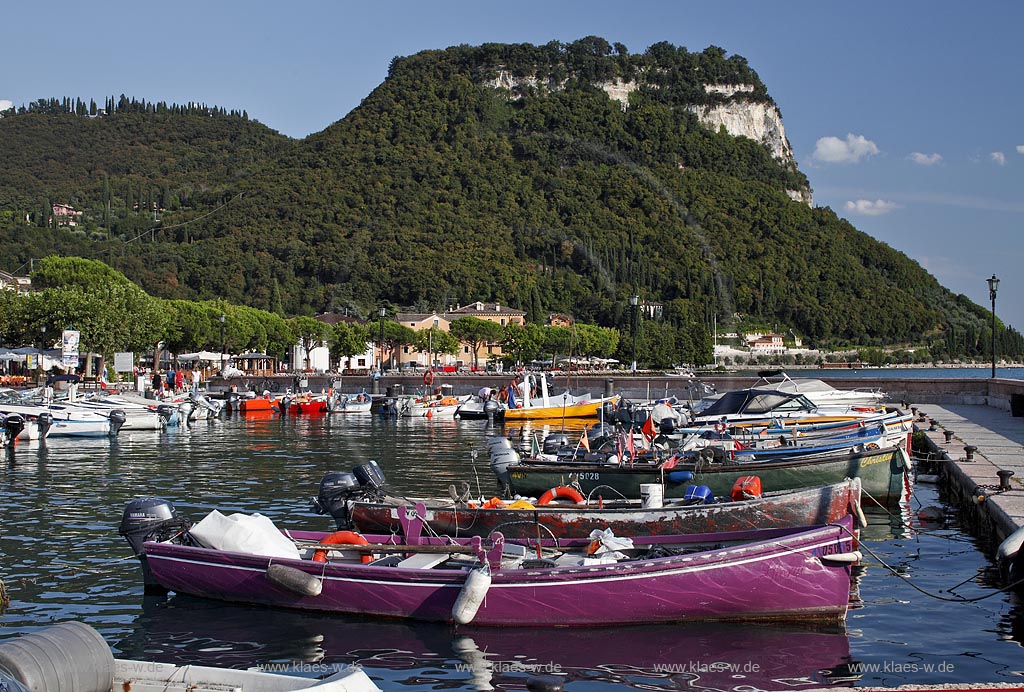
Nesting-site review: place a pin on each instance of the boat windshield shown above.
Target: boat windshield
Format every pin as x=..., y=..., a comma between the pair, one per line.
x=757, y=402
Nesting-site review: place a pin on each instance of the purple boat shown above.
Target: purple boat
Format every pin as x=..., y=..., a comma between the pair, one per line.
x=759, y=575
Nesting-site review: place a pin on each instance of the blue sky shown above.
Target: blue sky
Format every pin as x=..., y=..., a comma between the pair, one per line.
x=906, y=116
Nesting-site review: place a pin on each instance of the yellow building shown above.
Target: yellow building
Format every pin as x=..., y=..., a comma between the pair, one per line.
x=492, y=312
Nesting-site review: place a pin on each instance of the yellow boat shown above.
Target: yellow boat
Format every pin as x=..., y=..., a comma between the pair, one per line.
x=528, y=399
x=590, y=408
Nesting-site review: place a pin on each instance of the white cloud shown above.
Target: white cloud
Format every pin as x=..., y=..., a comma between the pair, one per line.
x=5, y=104
x=999, y=157
x=867, y=207
x=925, y=159
x=851, y=150
x=1020, y=148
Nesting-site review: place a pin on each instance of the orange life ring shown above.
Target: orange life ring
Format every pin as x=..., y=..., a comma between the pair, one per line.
x=342, y=538
x=428, y=377
x=560, y=491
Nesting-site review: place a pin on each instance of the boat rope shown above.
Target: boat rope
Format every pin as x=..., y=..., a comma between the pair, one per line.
x=909, y=582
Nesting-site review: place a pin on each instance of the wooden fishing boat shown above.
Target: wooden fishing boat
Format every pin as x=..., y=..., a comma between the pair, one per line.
x=603, y=509
x=882, y=473
x=758, y=575
x=308, y=404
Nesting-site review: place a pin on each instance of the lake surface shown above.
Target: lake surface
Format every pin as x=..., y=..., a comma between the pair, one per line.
x=61, y=558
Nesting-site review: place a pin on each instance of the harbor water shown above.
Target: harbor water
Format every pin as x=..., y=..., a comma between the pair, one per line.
x=924, y=607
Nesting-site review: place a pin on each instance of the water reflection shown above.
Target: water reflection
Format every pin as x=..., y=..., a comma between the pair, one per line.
x=61, y=558
x=720, y=656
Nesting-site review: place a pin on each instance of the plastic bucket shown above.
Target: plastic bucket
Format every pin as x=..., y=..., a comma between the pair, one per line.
x=69, y=657
x=652, y=495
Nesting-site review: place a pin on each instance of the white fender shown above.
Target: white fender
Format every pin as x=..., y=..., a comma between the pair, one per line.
x=851, y=558
x=472, y=596
x=1010, y=546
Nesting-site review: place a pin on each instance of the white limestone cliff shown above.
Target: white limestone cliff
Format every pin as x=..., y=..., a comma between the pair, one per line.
x=741, y=117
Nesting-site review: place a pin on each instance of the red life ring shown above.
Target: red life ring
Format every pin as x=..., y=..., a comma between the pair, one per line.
x=428, y=377
x=342, y=538
x=720, y=428
x=560, y=491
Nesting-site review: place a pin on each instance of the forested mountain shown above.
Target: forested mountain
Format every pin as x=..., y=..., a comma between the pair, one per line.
x=442, y=188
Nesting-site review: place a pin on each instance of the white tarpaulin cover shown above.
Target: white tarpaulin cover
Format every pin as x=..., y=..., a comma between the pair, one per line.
x=243, y=533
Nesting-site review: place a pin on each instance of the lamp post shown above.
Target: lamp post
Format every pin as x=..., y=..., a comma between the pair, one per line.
x=993, y=286
x=381, y=313
x=223, y=344
x=430, y=346
x=634, y=303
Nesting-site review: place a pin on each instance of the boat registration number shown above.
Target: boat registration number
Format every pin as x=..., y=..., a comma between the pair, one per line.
x=589, y=476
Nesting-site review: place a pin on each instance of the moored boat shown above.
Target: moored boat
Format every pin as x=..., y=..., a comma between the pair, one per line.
x=604, y=509
x=73, y=657
x=758, y=575
x=883, y=473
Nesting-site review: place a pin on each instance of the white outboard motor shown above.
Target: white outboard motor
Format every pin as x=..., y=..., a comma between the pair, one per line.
x=502, y=455
x=152, y=519
x=336, y=489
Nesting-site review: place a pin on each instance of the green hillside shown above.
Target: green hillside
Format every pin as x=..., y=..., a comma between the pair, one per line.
x=439, y=189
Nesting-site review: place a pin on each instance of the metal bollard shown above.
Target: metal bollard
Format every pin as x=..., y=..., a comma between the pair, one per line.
x=932, y=423
x=969, y=450
x=1004, y=479
x=949, y=435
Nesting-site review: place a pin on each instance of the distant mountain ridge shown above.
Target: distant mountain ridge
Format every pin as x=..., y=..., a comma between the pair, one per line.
x=556, y=178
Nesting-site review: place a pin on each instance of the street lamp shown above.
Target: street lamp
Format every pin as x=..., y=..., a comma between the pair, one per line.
x=382, y=312
x=430, y=345
x=223, y=343
x=634, y=303
x=993, y=286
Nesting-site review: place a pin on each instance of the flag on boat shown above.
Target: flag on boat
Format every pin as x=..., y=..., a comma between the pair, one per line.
x=584, y=441
x=648, y=429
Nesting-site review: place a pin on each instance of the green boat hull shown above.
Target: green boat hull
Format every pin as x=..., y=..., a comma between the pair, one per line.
x=882, y=473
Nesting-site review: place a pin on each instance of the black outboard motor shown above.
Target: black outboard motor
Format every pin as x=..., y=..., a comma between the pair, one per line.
x=234, y=402
x=555, y=442
x=152, y=519
x=117, y=419
x=370, y=477
x=44, y=421
x=667, y=426
x=165, y=411
x=14, y=423
x=283, y=405
x=336, y=489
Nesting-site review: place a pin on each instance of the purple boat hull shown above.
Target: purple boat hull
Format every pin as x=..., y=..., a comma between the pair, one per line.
x=774, y=574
